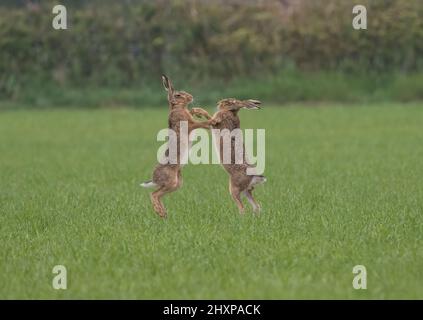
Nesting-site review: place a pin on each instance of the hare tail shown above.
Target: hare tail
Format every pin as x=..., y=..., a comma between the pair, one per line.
x=148, y=184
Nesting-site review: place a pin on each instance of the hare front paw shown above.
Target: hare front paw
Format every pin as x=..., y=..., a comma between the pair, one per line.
x=200, y=112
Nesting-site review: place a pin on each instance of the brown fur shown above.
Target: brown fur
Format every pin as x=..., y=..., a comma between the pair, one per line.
x=239, y=181
x=168, y=177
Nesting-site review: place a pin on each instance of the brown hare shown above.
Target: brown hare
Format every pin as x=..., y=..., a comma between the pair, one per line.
x=167, y=177
x=239, y=181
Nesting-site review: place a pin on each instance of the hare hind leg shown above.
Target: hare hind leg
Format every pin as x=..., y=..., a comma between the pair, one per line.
x=158, y=206
x=252, y=201
x=156, y=196
x=236, y=195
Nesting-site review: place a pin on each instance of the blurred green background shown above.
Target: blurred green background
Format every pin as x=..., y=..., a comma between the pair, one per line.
x=280, y=51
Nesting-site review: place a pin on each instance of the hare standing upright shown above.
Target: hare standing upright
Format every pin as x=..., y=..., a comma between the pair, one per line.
x=167, y=177
x=239, y=181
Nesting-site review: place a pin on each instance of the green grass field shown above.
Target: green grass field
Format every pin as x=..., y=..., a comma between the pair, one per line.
x=344, y=188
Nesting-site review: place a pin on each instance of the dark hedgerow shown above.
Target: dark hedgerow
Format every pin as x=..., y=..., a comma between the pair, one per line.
x=129, y=43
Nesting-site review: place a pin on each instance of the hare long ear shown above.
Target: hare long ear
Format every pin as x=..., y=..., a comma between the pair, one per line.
x=252, y=104
x=167, y=84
